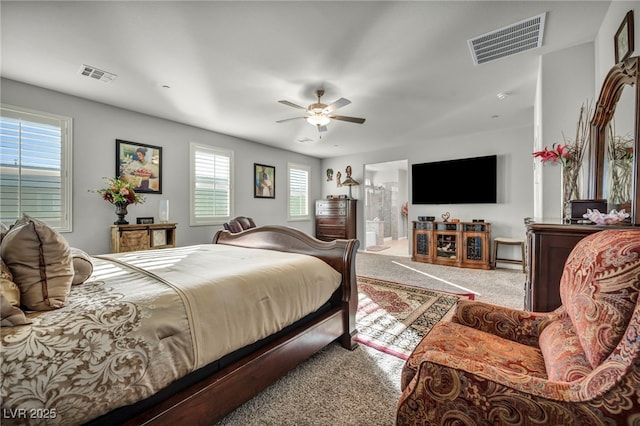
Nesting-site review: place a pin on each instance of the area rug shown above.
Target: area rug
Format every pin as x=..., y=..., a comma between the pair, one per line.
x=394, y=317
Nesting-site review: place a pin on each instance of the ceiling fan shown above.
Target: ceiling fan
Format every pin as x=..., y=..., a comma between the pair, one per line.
x=319, y=114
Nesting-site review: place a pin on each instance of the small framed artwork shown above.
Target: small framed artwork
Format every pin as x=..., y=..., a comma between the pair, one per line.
x=140, y=164
x=264, y=178
x=144, y=220
x=623, y=40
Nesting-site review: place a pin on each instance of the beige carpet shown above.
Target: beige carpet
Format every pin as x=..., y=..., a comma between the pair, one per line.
x=361, y=388
x=499, y=286
x=335, y=387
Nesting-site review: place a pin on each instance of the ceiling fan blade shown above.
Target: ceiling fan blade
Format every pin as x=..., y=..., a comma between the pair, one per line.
x=289, y=119
x=349, y=119
x=291, y=104
x=337, y=104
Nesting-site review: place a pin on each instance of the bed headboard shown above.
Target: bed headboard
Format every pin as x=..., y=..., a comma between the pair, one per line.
x=340, y=254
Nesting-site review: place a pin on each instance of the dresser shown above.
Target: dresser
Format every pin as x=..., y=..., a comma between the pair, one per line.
x=548, y=246
x=142, y=237
x=336, y=219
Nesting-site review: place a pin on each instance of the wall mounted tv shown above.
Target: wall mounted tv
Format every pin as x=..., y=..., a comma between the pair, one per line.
x=462, y=181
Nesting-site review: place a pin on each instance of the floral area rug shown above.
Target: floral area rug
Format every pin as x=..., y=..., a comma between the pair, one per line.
x=394, y=317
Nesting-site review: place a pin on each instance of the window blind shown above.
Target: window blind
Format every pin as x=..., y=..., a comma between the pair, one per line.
x=35, y=164
x=298, y=192
x=211, y=185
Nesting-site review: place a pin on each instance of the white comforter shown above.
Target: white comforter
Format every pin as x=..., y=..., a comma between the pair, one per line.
x=145, y=319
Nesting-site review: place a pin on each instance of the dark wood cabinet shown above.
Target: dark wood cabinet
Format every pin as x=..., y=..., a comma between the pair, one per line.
x=335, y=219
x=548, y=247
x=463, y=244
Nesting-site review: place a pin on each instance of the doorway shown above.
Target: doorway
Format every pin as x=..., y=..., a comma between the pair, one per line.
x=385, y=193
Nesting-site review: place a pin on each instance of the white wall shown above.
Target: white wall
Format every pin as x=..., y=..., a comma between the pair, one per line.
x=563, y=78
x=566, y=83
x=96, y=126
x=604, y=50
x=513, y=148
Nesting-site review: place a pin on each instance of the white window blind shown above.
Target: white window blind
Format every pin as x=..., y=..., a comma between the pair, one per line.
x=35, y=167
x=298, y=192
x=211, y=195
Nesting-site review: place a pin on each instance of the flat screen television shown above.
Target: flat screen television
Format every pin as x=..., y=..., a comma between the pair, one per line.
x=462, y=181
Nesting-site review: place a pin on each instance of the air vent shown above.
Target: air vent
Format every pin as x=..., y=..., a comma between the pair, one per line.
x=516, y=38
x=97, y=74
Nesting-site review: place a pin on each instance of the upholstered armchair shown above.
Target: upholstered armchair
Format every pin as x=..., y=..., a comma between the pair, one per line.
x=578, y=365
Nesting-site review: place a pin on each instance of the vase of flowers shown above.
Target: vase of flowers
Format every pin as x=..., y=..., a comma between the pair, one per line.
x=120, y=193
x=570, y=156
x=620, y=156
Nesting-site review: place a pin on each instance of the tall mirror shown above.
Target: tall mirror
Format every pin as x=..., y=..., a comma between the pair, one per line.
x=614, y=173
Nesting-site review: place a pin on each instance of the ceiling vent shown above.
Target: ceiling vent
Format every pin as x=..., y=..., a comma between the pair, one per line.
x=515, y=38
x=97, y=74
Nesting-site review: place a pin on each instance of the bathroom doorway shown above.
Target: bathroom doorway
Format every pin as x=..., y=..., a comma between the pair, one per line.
x=385, y=193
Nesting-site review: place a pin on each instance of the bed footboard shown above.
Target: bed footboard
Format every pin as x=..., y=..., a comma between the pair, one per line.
x=339, y=254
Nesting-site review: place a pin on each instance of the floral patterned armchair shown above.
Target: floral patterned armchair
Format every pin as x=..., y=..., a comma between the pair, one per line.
x=578, y=365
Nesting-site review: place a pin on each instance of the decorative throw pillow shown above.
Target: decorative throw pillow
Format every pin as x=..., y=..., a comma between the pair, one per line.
x=82, y=266
x=40, y=261
x=10, y=311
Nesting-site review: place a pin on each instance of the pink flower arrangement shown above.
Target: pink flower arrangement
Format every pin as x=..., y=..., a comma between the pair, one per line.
x=558, y=152
x=120, y=191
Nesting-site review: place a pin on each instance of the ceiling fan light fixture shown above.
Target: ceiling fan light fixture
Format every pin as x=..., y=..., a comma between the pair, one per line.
x=318, y=120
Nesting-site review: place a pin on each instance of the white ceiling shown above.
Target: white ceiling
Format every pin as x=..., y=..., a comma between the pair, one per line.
x=405, y=66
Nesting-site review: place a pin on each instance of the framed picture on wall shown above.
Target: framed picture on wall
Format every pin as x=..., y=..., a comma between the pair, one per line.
x=140, y=164
x=623, y=40
x=264, y=178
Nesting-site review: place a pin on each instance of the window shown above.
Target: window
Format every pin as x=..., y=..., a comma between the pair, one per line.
x=298, y=192
x=35, y=167
x=211, y=197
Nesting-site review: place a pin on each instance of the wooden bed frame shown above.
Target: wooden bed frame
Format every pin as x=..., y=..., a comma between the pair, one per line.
x=209, y=400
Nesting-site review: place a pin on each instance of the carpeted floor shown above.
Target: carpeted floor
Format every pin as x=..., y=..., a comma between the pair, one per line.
x=361, y=387
x=335, y=387
x=499, y=286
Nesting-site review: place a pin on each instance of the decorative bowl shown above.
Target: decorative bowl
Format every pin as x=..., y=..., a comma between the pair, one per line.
x=611, y=218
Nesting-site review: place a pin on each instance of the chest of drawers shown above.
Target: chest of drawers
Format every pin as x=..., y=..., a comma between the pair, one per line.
x=335, y=219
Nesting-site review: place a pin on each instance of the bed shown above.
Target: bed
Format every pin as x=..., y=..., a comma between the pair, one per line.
x=151, y=337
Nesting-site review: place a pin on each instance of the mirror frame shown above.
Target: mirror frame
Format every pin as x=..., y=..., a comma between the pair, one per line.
x=623, y=74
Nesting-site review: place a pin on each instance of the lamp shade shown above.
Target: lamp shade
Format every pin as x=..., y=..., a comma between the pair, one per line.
x=349, y=181
x=318, y=120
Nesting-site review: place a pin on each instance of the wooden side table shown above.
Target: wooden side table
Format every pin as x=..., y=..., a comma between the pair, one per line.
x=142, y=237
